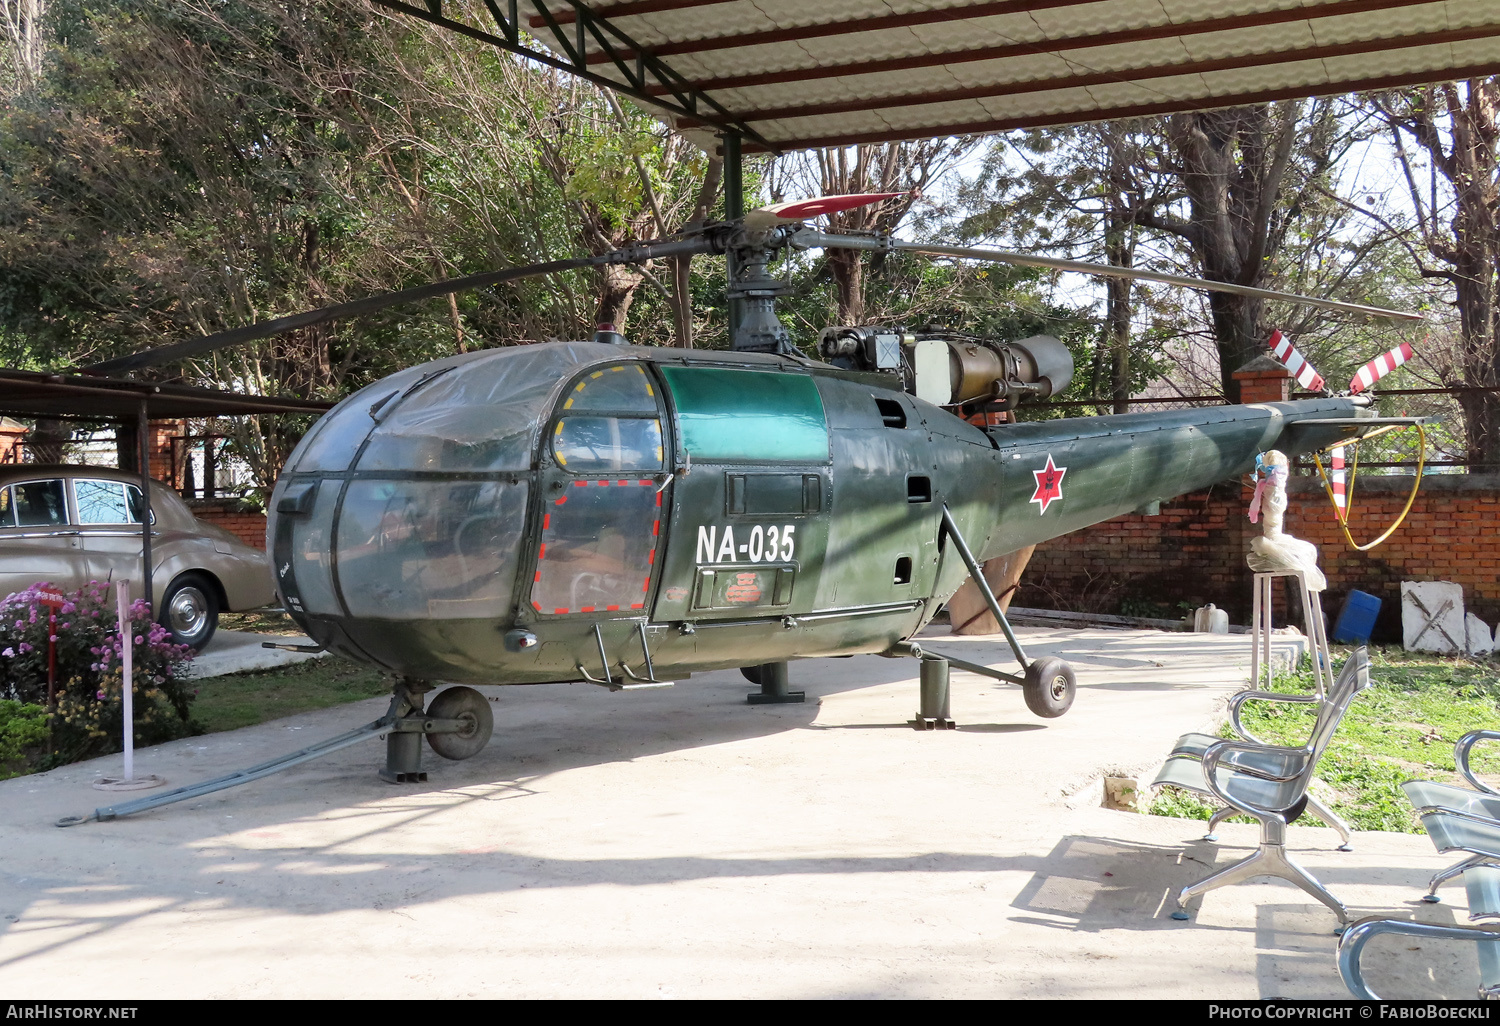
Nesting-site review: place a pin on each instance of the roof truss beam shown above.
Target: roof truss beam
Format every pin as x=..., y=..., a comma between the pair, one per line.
x=645, y=78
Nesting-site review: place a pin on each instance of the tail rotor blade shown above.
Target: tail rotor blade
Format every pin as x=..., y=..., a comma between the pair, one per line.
x=1293, y=360
x=1380, y=367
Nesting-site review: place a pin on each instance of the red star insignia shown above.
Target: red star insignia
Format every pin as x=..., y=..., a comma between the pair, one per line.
x=1048, y=483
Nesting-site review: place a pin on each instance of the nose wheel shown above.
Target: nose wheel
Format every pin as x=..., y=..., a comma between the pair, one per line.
x=458, y=725
x=476, y=723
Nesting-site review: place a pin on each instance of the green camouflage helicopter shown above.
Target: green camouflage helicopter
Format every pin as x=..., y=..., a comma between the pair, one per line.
x=626, y=516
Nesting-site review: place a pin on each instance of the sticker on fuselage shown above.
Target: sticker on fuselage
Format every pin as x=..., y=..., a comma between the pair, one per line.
x=775, y=544
x=1048, y=484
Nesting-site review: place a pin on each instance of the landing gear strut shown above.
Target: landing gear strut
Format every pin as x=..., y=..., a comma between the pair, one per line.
x=1048, y=684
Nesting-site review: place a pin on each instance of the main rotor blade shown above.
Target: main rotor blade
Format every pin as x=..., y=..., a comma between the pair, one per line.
x=809, y=238
x=800, y=210
x=265, y=329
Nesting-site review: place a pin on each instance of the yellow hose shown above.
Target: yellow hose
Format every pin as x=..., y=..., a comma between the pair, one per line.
x=1349, y=493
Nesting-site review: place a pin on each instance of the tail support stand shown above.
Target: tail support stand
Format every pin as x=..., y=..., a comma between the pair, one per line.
x=933, y=714
x=774, y=687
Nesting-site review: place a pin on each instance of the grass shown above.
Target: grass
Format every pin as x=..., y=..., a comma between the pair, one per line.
x=243, y=699
x=1402, y=728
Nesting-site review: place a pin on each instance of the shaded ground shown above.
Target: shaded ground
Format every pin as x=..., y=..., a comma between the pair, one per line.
x=680, y=843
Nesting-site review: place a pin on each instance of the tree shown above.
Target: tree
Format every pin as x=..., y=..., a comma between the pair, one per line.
x=182, y=168
x=904, y=167
x=1245, y=173
x=1084, y=191
x=1453, y=184
x=23, y=22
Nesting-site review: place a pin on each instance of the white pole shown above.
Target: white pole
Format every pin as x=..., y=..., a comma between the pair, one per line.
x=127, y=653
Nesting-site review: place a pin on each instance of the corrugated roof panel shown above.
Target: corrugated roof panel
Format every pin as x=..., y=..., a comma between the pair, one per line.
x=1268, y=39
x=1028, y=106
x=1412, y=59
x=732, y=19
x=1182, y=11
x=768, y=57
x=1469, y=52
x=1062, y=22
x=1409, y=22
x=1035, y=69
x=998, y=30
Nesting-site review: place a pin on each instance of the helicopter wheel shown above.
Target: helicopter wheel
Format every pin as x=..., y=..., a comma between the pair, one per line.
x=1049, y=687
x=470, y=707
x=751, y=673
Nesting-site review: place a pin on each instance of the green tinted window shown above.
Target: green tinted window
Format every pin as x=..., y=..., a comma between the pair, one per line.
x=748, y=416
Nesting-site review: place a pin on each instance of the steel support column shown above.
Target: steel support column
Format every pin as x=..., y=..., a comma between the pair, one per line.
x=143, y=454
x=734, y=209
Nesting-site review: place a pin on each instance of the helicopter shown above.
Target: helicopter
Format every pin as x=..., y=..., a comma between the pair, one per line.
x=626, y=516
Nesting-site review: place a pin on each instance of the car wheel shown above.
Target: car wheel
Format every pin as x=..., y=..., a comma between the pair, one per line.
x=190, y=611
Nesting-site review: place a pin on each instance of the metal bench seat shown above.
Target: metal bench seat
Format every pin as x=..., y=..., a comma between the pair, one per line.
x=1476, y=806
x=1266, y=782
x=1193, y=746
x=1483, y=886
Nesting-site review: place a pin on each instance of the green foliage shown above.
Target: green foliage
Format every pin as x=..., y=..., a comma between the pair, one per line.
x=88, y=719
x=1402, y=728
x=23, y=732
x=187, y=166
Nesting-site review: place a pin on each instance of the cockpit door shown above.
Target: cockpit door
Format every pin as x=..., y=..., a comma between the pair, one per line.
x=604, y=486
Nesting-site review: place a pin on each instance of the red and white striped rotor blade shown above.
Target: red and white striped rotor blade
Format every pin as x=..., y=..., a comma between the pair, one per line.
x=1306, y=375
x=1336, y=483
x=801, y=210
x=1380, y=367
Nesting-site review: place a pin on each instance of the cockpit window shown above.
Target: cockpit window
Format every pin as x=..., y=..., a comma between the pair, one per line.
x=619, y=389
x=610, y=424
x=607, y=445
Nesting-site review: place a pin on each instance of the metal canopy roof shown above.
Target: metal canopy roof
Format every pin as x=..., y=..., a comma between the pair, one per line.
x=32, y=394
x=788, y=74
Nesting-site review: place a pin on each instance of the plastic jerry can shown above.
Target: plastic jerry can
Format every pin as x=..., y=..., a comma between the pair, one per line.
x=1357, y=619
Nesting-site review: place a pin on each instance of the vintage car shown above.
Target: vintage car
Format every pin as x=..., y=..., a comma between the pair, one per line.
x=71, y=525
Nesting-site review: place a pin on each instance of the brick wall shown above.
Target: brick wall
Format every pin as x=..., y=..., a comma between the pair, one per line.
x=233, y=516
x=1195, y=550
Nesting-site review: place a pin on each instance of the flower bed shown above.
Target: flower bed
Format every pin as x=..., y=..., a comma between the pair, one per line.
x=87, y=715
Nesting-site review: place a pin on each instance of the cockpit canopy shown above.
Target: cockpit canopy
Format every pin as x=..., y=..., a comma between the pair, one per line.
x=479, y=412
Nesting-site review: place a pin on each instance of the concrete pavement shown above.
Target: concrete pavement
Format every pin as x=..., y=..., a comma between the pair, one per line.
x=237, y=651
x=679, y=843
